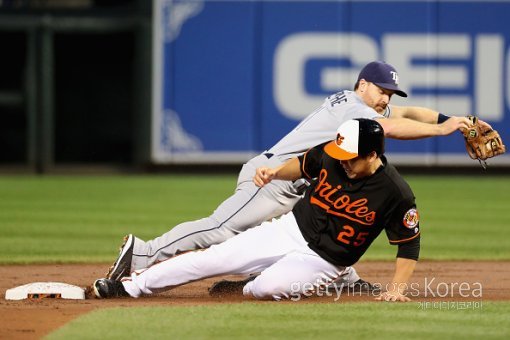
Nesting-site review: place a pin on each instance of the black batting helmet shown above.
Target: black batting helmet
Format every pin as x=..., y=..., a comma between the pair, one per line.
x=357, y=137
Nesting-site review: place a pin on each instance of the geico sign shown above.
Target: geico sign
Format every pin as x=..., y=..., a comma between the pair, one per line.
x=453, y=73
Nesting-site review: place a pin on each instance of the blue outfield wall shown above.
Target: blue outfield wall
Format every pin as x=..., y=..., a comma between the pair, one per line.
x=233, y=77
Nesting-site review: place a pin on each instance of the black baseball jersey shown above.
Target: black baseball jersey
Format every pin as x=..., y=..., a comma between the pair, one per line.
x=340, y=217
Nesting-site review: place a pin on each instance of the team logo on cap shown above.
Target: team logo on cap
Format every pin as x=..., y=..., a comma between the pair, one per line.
x=394, y=76
x=411, y=218
x=339, y=139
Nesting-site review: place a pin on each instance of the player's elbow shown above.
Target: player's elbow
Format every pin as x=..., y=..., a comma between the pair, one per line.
x=402, y=128
x=388, y=127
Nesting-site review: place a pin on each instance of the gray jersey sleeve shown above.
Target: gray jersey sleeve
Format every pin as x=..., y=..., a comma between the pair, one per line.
x=321, y=125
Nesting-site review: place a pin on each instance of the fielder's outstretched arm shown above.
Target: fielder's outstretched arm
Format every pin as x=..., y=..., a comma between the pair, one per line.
x=288, y=171
x=420, y=114
x=424, y=115
x=404, y=128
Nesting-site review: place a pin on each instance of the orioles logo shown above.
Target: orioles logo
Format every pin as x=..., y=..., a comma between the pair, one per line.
x=411, y=218
x=339, y=139
x=340, y=204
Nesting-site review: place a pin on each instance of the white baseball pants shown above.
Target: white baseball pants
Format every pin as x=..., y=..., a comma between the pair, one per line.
x=277, y=249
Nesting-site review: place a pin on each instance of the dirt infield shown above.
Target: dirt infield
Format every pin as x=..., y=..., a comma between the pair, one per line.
x=432, y=281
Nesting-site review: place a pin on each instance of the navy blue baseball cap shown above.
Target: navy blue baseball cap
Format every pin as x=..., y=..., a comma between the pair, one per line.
x=383, y=75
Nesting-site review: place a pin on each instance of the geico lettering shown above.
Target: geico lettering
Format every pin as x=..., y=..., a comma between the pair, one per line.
x=485, y=50
x=463, y=58
x=296, y=50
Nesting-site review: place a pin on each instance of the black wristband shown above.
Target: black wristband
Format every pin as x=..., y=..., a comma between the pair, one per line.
x=441, y=118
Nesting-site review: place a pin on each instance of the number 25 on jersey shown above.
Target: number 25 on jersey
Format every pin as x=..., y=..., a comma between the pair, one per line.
x=347, y=236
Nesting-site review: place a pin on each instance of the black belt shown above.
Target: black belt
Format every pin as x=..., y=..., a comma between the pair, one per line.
x=268, y=155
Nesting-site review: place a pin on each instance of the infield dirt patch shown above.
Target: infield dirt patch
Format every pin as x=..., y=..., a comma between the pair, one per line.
x=432, y=281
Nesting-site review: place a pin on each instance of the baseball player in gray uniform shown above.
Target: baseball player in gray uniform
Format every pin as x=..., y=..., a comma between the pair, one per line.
x=250, y=205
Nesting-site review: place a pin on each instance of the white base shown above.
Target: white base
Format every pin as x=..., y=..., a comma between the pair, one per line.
x=40, y=290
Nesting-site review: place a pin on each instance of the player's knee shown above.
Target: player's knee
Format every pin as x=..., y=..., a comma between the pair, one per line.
x=270, y=289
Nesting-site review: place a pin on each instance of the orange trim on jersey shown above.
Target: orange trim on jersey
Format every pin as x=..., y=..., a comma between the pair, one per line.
x=326, y=207
x=303, y=165
x=407, y=239
x=315, y=201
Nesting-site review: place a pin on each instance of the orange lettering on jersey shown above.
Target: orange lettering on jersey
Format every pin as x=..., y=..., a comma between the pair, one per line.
x=328, y=195
x=341, y=205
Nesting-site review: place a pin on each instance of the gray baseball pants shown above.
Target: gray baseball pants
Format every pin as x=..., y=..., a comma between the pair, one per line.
x=248, y=207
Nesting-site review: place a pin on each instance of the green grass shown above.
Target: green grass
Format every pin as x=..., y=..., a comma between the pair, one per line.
x=292, y=321
x=465, y=217
x=82, y=219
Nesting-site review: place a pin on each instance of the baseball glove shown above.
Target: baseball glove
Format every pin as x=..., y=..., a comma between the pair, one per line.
x=482, y=142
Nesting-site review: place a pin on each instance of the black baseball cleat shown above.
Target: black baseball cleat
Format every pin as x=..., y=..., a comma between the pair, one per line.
x=227, y=287
x=122, y=266
x=108, y=288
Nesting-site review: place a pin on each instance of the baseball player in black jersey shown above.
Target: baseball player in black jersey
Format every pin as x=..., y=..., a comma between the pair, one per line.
x=250, y=205
x=357, y=194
